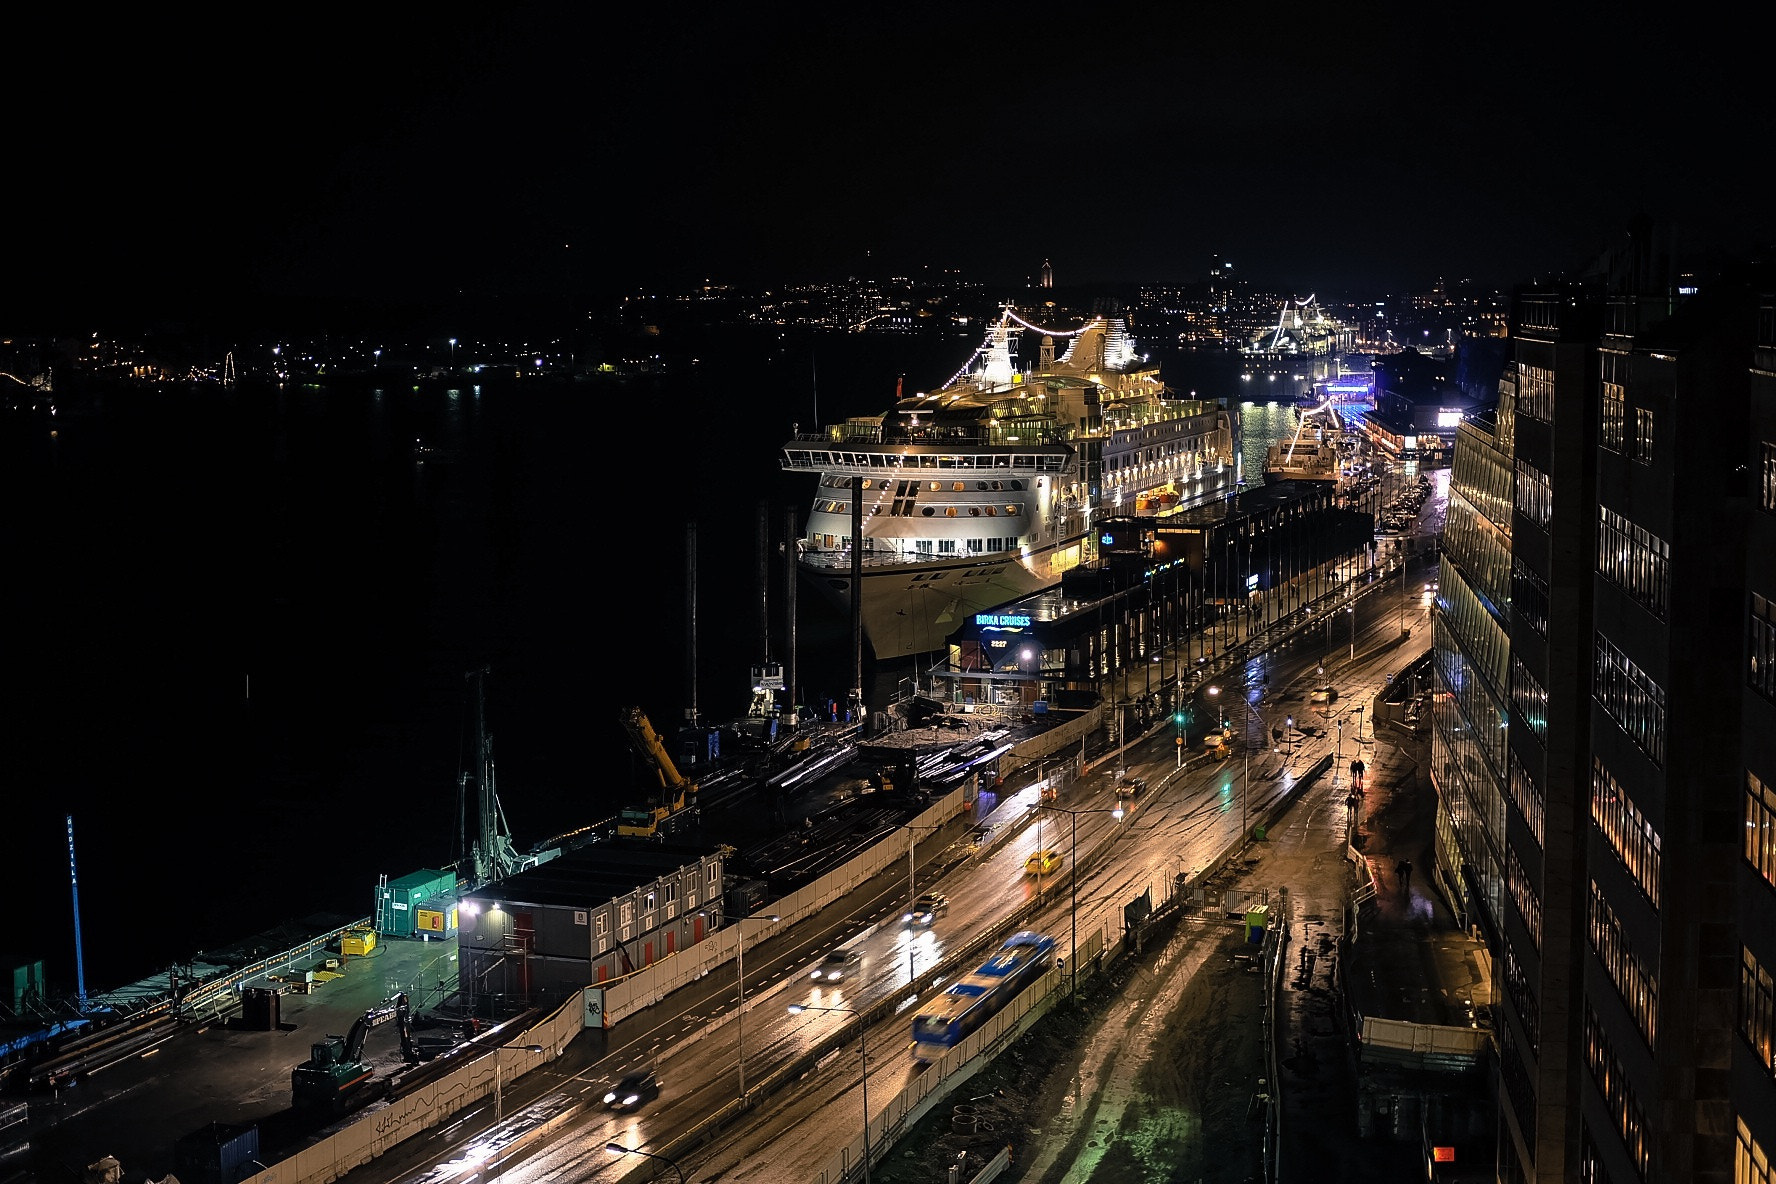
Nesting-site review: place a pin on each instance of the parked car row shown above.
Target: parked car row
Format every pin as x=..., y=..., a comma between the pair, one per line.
x=1398, y=516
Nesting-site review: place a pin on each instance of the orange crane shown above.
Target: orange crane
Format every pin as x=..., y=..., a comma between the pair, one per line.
x=675, y=788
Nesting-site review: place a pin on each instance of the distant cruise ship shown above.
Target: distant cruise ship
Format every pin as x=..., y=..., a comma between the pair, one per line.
x=985, y=491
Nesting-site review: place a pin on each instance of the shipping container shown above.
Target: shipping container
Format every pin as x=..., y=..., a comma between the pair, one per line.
x=398, y=901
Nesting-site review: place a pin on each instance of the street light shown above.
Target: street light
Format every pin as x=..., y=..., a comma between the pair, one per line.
x=863, y=1051
x=1073, y=857
x=453, y=353
x=1246, y=756
x=740, y=1019
x=619, y=1149
x=498, y=1091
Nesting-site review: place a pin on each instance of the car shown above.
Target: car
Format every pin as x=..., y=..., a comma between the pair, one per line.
x=1042, y=862
x=632, y=1089
x=838, y=965
x=1220, y=738
x=1134, y=787
x=1324, y=695
x=927, y=909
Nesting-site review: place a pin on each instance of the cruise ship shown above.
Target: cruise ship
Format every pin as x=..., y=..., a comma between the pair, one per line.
x=963, y=499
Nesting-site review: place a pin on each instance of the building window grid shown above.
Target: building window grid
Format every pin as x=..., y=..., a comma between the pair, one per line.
x=1643, y=436
x=1535, y=494
x=1527, y=796
x=1757, y=1009
x=1761, y=647
x=1615, y=416
x=1529, y=906
x=1750, y=1163
x=1760, y=827
x=1535, y=392
x=1767, y=476
x=1523, y=999
x=1635, y=560
x=1529, y=596
x=1629, y=697
x=1518, y=1086
x=1618, y=1095
x=1530, y=698
x=1627, y=832
x=1639, y=990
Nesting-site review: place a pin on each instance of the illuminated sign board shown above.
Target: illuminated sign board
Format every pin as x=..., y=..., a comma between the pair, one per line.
x=1001, y=620
x=1251, y=583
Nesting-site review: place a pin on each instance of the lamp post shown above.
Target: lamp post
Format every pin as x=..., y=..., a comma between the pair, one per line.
x=1073, y=860
x=863, y=1051
x=740, y=1018
x=453, y=354
x=619, y=1149
x=1246, y=756
x=498, y=1092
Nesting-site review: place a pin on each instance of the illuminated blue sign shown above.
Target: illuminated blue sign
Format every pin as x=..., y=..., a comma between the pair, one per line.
x=1001, y=620
x=1106, y=539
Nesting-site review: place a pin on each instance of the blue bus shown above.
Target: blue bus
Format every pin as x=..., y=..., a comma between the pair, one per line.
x=969, y=1001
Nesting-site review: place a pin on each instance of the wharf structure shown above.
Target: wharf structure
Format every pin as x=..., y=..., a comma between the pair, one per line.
x=1604, y=725
x=1166, y=595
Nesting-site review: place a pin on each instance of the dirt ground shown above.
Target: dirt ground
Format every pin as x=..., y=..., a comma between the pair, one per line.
x=1149, y=1077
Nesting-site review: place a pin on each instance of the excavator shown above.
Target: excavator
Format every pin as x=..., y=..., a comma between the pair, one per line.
x=335, y=1072
x=675, y=788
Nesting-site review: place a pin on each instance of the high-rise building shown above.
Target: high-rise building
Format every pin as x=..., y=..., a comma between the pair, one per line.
x=1604, y=742
x=1048, y=274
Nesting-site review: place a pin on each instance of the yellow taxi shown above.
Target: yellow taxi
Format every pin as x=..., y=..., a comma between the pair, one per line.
x=1043, y=862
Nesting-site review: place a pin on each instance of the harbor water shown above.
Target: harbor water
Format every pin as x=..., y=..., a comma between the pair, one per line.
x=241, y=622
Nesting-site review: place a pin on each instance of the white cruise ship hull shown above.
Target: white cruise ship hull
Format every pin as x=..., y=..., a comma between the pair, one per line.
x=986, y=491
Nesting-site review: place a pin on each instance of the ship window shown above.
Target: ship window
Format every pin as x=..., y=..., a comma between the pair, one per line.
x=934, y=486
x=982, y=485
x=974, y=511
x=992, y=511
x=1015, y=486
x=958, y=486
x=949, y=511
x=1012, y=510
x=928, y=511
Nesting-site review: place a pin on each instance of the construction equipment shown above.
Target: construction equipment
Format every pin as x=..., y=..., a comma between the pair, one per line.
x=335, y=1072
x=675, y=788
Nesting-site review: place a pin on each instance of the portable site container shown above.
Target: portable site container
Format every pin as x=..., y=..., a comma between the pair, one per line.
x=399, y=901
x=436, y=918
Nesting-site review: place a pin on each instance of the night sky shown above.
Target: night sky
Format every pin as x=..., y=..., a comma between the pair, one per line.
x=163, y=164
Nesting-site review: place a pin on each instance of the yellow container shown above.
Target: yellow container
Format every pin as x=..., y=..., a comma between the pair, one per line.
x=359, y=942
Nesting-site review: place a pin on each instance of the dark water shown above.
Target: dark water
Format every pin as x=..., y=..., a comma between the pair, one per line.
x=239, y=623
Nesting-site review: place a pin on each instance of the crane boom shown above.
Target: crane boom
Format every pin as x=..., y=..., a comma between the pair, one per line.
x=675, y=787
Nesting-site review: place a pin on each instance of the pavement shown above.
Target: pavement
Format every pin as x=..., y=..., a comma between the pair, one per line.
x=1369, y=941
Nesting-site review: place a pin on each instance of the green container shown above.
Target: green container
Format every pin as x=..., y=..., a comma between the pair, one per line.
x=397, y=912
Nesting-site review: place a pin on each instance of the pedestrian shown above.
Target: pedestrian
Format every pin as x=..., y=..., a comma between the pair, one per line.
x=1404, y=868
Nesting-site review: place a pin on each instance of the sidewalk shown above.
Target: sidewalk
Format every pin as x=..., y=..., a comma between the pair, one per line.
x=1397, y=954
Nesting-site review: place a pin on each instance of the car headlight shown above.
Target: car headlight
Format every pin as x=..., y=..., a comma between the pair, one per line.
x=631, y=1099
x=907, y=917
x=609, y=1098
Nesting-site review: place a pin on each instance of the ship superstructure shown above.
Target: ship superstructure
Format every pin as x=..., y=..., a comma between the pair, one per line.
x=985, y=490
